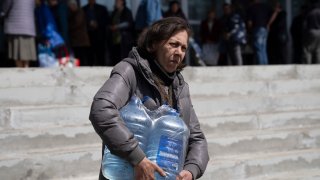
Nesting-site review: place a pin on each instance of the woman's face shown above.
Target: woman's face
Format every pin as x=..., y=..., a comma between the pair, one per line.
x=170, y=53
x=175, y=8
x=73, y=7
x=119, y=4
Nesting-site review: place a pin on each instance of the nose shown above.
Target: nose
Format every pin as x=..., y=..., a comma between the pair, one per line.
x=179, y=51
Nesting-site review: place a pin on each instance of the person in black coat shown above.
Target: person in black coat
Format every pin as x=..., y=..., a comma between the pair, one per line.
x=97, y=21
x=174, y=10
x=296, y=31
x=278, y=36
x=122, y=30
x=4, y=62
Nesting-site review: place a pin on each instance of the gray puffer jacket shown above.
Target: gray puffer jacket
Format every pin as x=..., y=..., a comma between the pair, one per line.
x=133, y=76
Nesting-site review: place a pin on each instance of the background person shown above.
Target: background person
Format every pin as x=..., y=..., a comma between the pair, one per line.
x=311, y=36
x=122, y=29
x=79, y=39
x=296, y=31
x=59, y=10
x=174, y=10
x=19, y=26
x=148, y=12
x=258, y=17
x=210, y=33
x=97, y=18
x=278, y=36
x=235, y=35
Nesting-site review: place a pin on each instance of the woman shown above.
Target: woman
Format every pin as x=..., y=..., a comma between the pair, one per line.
x=121, y=32
x=210, y=31
x=19, y=26
x=174, y=10
x=79, y=39
x=152, y=69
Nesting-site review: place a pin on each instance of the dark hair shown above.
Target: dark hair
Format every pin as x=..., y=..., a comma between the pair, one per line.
x=124, y=3
x=171, y=3
x=162, y=30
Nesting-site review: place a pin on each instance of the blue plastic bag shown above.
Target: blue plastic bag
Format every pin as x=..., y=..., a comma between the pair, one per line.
x=47, y=26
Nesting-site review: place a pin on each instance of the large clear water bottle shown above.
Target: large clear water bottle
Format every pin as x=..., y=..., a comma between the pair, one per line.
x=167, y=142
x=139, y=123
x=137, y=119
x=116, y=168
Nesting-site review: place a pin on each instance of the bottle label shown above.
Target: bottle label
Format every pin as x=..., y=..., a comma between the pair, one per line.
x=169, y=153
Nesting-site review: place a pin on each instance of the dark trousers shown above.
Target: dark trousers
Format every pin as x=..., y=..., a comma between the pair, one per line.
x=82, y=53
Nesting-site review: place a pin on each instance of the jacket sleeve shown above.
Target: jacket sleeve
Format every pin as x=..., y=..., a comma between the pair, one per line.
x=197, y=153
x=105, y=117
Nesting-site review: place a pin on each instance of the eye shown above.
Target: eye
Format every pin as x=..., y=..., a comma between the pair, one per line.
x=174, y=44
x=184, y=48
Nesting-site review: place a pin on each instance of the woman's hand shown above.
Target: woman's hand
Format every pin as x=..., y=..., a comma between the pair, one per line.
x=184, y=175
x=145, y=170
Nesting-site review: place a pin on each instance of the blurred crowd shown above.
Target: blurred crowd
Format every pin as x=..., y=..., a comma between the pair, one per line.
x=258, y=34
x=33, y=31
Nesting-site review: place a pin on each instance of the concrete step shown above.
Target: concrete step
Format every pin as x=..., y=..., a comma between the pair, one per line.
x=257, y=165
x=54, y=163
x=40, y=86
x=306, y=174
x=19, y=77
x=63, y=123
x=82, y=93
x=224, y=106
x=44, y=138
x=26, y=117
x=275, y=120
x=251, y=73
x=83, y=177
x=51, y=77
x=78, y=85
x=32, y=96
x=253, y=88
x=232, y=142
x=263, y=141
x=253, y=109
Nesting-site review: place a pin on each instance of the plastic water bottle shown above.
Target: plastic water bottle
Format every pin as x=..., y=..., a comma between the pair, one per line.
x=137, y=119
x=167, y=143
x=139, y=123
x=116, y=168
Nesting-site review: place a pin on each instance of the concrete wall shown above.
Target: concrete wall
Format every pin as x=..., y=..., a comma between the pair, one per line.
x=261, y=122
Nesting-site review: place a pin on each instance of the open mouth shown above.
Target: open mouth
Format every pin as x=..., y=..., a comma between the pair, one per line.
x=175, y=61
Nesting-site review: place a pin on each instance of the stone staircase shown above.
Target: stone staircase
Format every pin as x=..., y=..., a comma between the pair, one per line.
x=44, y=128
x=261, y=122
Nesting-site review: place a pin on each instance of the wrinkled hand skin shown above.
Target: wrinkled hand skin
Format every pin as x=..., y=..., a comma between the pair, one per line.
x=145, y=170
x=184, y=175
